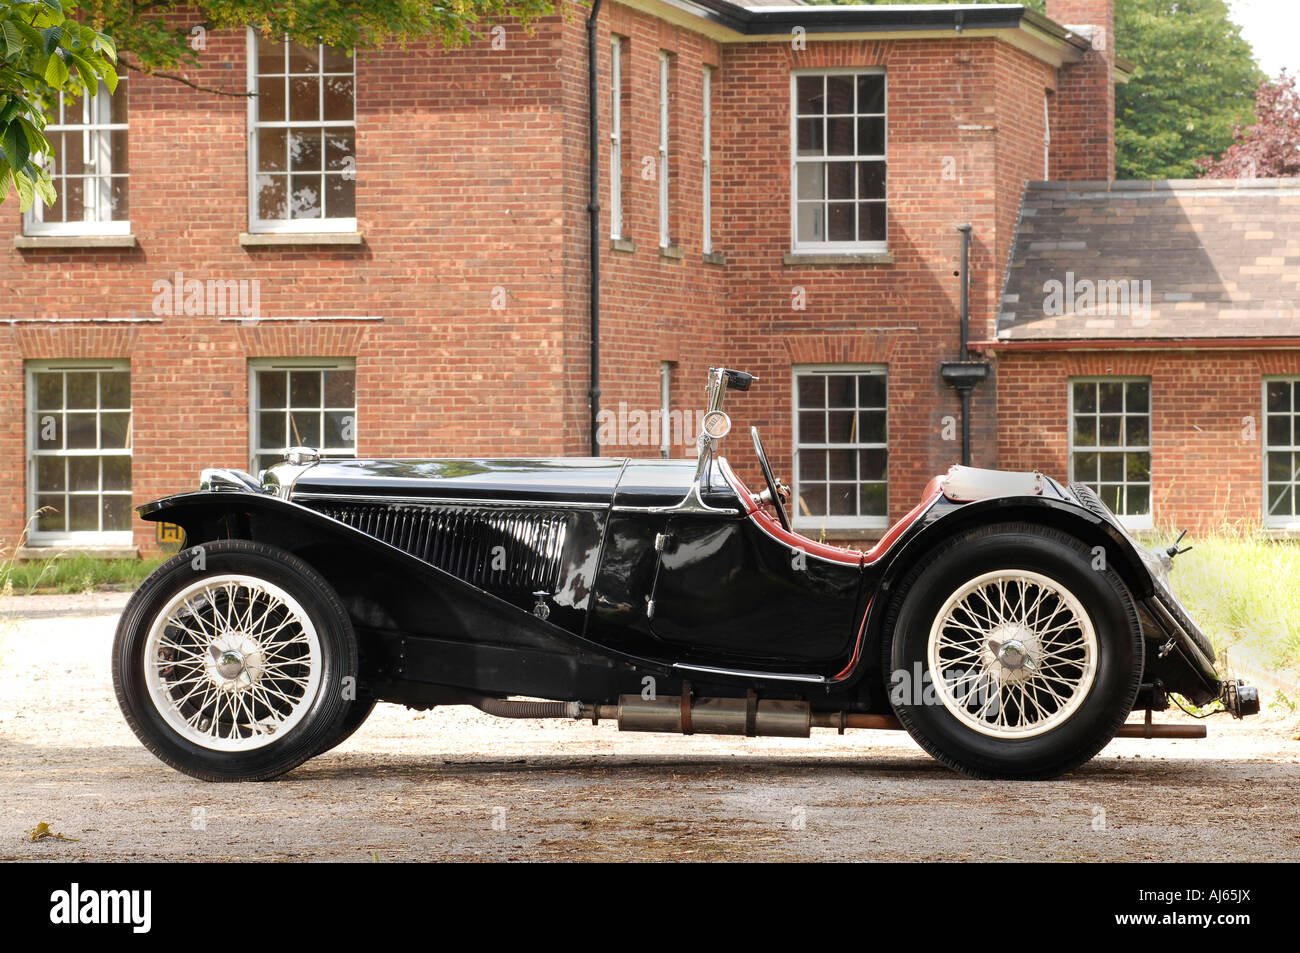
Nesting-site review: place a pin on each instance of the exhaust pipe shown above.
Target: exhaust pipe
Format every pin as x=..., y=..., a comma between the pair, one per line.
x=1160, y=731
x=503, y=708
x=680, y=714
x=749, y=716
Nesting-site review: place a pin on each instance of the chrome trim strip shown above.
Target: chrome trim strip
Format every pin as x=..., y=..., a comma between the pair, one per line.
x=742, y=673
x=679, y=509
x=673, y=511
x=383, y=499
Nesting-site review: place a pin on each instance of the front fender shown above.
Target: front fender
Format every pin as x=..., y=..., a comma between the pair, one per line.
x=392, y=593
x=354, y=562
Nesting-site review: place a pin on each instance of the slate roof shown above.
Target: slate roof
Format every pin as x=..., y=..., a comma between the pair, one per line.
x=1222, y=258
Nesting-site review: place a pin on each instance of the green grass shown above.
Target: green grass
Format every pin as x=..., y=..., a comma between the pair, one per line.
x=1243, y=591
x=73, y=573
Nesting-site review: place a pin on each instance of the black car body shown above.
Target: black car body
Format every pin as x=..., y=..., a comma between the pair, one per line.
x=657, y=593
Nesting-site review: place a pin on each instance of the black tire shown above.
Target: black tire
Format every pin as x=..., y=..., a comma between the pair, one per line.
x=1022, y=553
x=317, y=713
x=355, y=714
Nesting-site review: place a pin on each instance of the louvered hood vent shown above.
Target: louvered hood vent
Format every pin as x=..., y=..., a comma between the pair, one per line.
x=500, y=550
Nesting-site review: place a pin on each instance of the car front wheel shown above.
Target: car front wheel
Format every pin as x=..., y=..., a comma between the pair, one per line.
x=1016, y=653
x=232, y=662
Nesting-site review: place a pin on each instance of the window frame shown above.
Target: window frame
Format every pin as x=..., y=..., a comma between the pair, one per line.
x=1268, y=521
x=300, y=364
x=1047, y=134
x=1139, y=522
x=101, y=135
x=665, y=132
x=43, y=538
x=834, y=247
x=616, y=138
x=831, y=523
x=273, y=226
x=706, y=159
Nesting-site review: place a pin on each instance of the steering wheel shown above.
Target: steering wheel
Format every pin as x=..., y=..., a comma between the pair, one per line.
x=773, y=484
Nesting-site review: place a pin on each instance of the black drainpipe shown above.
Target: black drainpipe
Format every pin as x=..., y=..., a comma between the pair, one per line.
x=593, y=213
x=963, y=374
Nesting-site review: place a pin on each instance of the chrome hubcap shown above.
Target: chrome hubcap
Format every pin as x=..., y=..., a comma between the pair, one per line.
x=235, y=661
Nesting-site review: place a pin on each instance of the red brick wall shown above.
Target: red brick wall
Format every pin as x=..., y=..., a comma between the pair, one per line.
x=1083, y=138
x=946, y=126
x=1206, y=424
x=655, y=308
x=460, y=190
x=471, y=177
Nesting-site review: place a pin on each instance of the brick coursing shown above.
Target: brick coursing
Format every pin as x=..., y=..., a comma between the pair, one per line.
x=1206, y=425
x=472, y=184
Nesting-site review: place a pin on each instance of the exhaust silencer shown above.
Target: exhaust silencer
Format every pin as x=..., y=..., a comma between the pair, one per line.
x=713, y=716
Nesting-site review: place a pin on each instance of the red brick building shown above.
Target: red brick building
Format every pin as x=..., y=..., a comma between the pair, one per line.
x=389, y=255
x=1149, y=343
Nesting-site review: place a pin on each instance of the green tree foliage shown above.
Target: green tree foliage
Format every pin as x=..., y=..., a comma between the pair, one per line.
x=1193, y=83
x=45, y=52
x=159, y=35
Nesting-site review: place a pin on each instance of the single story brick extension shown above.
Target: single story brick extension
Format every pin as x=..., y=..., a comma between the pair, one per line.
x=1160, y=320
x=390, y=255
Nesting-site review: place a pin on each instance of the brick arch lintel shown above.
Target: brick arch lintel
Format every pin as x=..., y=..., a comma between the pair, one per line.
x=839, y=54
x=867, y=347
x=276, y=340
x=1101, y=364
x=75, y=343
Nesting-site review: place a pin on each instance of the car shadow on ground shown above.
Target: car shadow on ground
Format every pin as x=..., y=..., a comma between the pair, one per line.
x=24, y=764
x=894, y=767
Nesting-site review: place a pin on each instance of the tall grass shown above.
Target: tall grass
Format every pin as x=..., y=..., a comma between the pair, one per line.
x=77, y=572
x=66, y=572
x=1243, y=590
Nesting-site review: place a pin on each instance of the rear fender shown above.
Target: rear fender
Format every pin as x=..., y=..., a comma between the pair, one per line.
x=945, y=520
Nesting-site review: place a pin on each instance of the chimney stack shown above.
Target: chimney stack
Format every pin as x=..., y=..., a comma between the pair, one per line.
x=1083, y=135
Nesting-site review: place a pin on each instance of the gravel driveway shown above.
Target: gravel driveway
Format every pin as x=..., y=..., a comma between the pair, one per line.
x=456, y=784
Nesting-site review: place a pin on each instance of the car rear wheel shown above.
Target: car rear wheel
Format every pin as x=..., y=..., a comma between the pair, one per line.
x=230, y=662
x=1016, y=653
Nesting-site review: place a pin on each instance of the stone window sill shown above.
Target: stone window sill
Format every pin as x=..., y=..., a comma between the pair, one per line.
x=74, y=241
x=838, y=258
x=622, y=244
x=672, y=251
x=262, y=239
x=715, y=258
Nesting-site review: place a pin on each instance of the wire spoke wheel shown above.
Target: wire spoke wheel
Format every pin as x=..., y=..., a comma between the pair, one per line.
x=232, y=662
x=1012, y=654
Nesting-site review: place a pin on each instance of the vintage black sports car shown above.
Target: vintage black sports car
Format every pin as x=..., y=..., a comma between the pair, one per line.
x=1008, y=622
